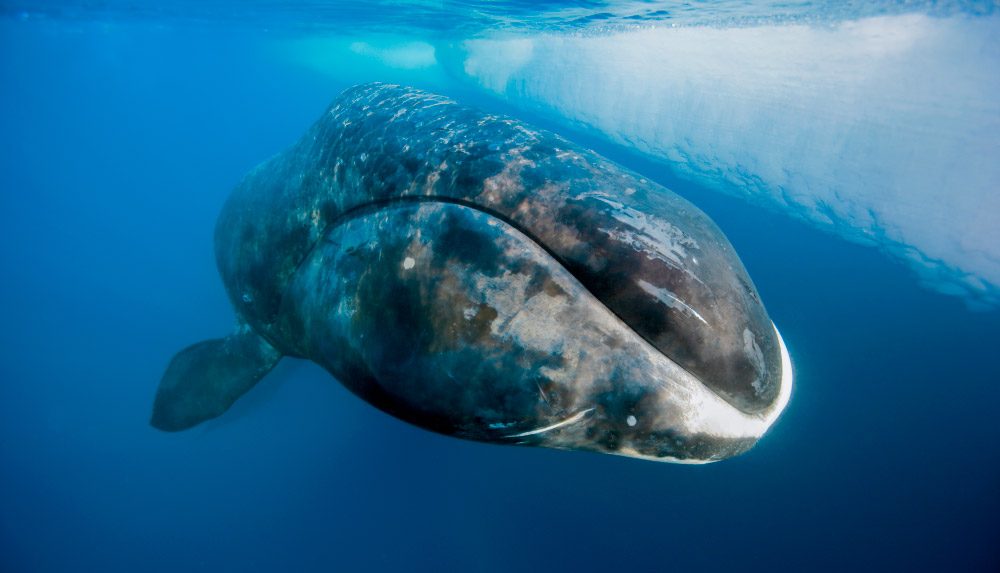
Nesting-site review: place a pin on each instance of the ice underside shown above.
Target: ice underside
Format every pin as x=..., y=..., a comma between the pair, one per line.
x=883, y=129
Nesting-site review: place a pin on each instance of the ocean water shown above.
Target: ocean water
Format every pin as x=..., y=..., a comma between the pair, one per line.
x=848, y=150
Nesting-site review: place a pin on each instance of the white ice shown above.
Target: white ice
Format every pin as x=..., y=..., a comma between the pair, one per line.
x=885, y=129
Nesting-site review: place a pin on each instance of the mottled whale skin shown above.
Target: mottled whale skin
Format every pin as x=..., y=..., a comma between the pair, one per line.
x=484, y=279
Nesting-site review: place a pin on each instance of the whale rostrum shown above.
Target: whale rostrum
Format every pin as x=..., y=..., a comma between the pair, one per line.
x=484, y=279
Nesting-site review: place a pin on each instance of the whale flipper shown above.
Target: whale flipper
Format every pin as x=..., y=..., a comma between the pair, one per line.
x=203, y=380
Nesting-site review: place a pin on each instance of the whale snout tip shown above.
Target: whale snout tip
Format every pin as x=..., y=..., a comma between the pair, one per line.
x=711, y=429
x=752, y=430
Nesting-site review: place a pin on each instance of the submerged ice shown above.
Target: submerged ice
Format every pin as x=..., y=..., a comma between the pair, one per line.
x=884, y=129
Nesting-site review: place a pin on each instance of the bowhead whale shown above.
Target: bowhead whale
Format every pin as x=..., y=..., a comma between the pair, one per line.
x=484, y=279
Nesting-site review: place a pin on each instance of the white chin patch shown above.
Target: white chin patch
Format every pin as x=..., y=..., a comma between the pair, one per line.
x=711, y=416
x=706, y=413
x=785, y=391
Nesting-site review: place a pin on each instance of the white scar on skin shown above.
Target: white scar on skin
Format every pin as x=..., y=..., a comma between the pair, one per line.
x=572, y=419
x=670, y=299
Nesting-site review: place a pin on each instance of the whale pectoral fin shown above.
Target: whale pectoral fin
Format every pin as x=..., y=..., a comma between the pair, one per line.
x=203, y=380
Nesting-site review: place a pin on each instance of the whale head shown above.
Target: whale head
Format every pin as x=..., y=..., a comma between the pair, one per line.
x=448, y=317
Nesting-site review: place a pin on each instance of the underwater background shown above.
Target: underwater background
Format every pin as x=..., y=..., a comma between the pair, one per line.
x=849, y=150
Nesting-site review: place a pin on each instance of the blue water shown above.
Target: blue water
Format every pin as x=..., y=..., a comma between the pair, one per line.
x=122, y=132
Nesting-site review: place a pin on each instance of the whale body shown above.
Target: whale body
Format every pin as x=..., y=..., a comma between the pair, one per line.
x=484, y=279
